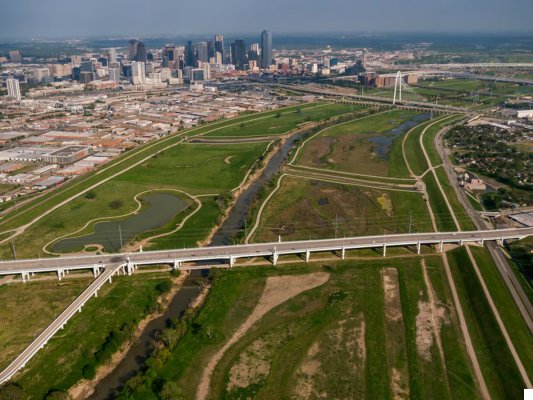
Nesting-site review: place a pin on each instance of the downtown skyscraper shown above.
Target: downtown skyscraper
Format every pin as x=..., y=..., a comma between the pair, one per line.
x=266, y=49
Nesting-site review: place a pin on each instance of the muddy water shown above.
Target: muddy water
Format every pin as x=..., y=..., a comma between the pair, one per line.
x=237, y=214
x=382, y=143
x=163, y=207
x=143, y=347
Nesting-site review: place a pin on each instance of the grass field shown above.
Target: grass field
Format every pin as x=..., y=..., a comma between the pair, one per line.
x=304, y=208
x=274, y=125
x=335, y=340
x=29, y=308
x=59, y=365
x=367, y=146
x=443, y=217
x=195, y=168
x=497, y=364
x=512, y=319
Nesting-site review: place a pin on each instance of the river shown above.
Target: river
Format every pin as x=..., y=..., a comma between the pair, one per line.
x=143, y=347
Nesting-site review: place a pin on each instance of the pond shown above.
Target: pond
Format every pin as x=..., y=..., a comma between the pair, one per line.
x=162, y=208
x=382, y=143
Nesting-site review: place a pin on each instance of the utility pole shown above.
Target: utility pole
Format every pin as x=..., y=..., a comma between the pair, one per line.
x=410, y=220
x=335, y=226
x=245, y=231
x=13, y=244
x=120, y=234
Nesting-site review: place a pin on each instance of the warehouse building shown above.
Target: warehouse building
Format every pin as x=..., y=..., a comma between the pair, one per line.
x=68, y=155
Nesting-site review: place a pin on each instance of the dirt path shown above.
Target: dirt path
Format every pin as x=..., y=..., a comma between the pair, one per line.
x=226, y=160
x=278, y=289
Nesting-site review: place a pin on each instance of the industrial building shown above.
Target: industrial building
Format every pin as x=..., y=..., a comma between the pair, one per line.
x=68, y=155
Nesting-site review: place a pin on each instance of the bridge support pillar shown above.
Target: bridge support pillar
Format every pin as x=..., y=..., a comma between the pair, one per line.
x=418, y=247
x=501, y=241
x=23, y=277
x=96, y=293
x=79, y=309
x=129, y=268
x=231, y=261
x=59, y=274
x=384, y=249
x=63, y=326
x=482, y=242
x=343, y=253
x=140, y=248
x=110, y=280
x=462, y=242
x=307, y=255
x=275, y=258
x=33, y=273
x=441, y=246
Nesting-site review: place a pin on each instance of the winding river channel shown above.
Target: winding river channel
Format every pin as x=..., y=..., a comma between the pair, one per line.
x=141, y=350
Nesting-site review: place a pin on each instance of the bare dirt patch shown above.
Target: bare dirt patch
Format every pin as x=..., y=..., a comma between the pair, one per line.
x=393, y=307
x=277, y=290
x=226, y=160
x=424, y=330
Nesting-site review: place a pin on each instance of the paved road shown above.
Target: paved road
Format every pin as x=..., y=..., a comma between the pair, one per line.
x=508, y=276
x=51, y=330
x=224, y=252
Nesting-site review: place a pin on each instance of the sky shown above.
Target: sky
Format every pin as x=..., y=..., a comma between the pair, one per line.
x=121, y=18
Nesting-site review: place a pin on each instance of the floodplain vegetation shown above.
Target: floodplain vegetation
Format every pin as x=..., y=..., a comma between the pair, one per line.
x=341, y=329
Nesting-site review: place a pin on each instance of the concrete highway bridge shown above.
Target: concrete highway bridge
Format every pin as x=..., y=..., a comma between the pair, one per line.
x=105, y=267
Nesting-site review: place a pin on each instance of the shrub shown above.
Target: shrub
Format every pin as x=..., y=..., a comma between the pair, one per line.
x=89, y=371
x=11, y=391
x=57, y=395
x=90, y=195
x=164, y=287
x=116, y=204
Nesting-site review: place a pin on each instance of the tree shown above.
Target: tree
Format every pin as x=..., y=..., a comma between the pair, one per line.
x=11, y=391
x=116, y=204
x=90, y=195
x=169, y=337
x=278, y=115
x=241, y=125
x=89, y=372
x=57, y=395
x=171, y=391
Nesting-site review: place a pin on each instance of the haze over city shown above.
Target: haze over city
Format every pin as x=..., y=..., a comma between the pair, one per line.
x=64, y=19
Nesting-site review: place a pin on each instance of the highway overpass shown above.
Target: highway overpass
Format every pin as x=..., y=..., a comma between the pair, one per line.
x=105, y=266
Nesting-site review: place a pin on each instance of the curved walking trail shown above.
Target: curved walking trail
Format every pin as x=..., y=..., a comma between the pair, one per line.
x=485, y=289
x=278, y=289
x=21, y=229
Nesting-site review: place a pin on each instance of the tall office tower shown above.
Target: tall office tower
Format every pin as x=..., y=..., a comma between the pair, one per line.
x=364, y=58
x=112, y=55
x=149, y=57
x=114, y=74
x=197, y=74
x=86, y=77
x=187, y=72
x=76, y=60
x=40, y=73
x=138, y=72
x=13, y=88
x=103, y=61
x=75, y=73
x=15, y=56
x=210, y=48
x=218, y=58
x=266, y=49
x=191, y=59
x=207, y=71
x=240, y=54
x=232, y=53
x=126, y=70
x=165, y=62
x=202, y=52
x=133, y=49
x=219, y=45
x=141, y=52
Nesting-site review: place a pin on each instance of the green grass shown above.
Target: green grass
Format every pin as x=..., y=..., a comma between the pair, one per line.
x=475, y=204
x=443, y=217
x=507, y=308
x=413, y=150
x=29, y=308
x=59, y=365
x=198, y=168
x=497, y=364
x=460, y=378
x=273, y=125
x=289, y=330
x=465, y=222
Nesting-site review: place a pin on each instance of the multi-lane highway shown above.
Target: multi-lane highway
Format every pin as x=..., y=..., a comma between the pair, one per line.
x=231, y=253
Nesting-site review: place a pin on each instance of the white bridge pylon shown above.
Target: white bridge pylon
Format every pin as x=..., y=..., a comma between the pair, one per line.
x=398, y=79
